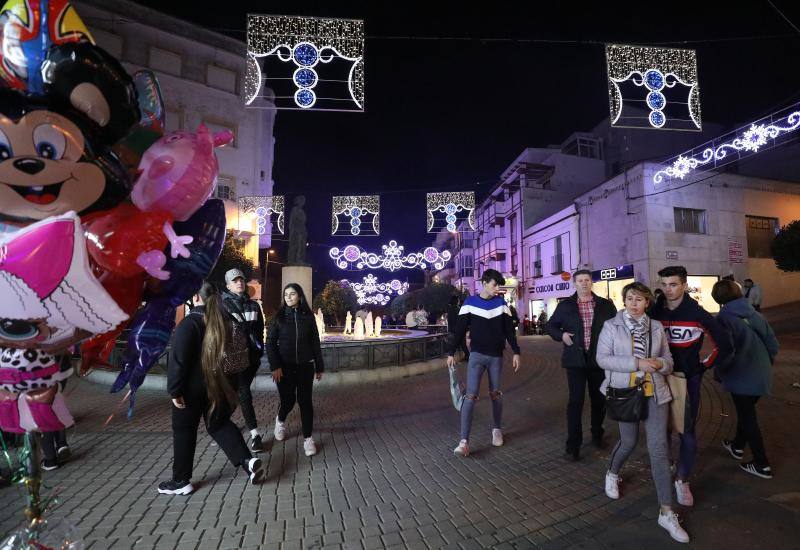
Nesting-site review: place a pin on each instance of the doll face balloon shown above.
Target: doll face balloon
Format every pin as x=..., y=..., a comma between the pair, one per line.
x=178, y=172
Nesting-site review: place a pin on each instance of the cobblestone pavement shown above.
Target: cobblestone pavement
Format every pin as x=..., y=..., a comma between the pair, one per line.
x=386, y=477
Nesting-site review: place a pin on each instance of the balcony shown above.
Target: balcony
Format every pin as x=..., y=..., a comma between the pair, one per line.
x=557, y=264
x=537, y=269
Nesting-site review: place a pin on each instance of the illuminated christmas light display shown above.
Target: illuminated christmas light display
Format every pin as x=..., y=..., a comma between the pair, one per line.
x=312, y=63
x=653, y=87
x=262, y=209
x=447, y=210
x=370, y=291
x=393, y=258
x=763, y=134
x=356, y=215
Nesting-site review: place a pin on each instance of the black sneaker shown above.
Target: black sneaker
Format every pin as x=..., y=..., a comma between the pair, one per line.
x=64, y=453
x=256, y=445
x=760, y=471
x=735, y=453
x=255, y=469
x=173, y=487
x=49, y=465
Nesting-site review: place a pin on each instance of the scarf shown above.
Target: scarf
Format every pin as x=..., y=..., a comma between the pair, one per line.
x=640, y=336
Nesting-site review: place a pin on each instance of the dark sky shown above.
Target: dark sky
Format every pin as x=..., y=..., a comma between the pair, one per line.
x=447, y=114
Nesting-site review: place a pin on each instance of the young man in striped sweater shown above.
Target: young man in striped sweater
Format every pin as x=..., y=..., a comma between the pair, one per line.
x=488, y=319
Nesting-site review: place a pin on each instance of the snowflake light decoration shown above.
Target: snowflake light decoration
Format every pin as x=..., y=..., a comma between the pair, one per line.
x=447, y=210
x=309, y=62
x=393, y=258
x=661, y=80
x=263, y=208
x=356, y=215
x=370, y=291
x=763, y=134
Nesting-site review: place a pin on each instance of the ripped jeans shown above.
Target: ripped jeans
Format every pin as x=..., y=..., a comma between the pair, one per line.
x=477, y=365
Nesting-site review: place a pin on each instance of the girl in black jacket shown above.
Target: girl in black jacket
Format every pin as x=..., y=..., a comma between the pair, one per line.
x=295, y=358
x=199, y=388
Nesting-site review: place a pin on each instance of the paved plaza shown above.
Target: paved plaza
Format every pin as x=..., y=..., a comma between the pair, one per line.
x=386, y=477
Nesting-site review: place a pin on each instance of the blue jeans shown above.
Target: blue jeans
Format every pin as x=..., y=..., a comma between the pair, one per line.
x=477, y=365
x=688, y=438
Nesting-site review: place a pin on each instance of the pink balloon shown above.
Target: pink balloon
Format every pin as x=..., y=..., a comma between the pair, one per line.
x=178, y=172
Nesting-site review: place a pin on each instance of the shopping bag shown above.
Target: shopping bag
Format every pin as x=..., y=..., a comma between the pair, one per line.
x=678, y=406
x=457, y=390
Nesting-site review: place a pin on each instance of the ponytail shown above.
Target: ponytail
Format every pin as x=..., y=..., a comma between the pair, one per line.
x=216, y=337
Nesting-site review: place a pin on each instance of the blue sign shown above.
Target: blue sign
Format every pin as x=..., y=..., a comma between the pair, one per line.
x=613, y=273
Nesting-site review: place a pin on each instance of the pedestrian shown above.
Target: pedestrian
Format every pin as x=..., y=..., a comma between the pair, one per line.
x=577, y=322
x=295, y=357
x=55, y=450
x=542, y=322
x=247, y=313
x=411, y=318
x=526, y=325
x=633, y=351
x=753, y=294
x=199, y=388
x=686, y=324
x=488, y=320
x=749, y=375
x=452, y=322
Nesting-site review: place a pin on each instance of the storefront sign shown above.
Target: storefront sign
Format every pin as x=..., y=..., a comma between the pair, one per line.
x=672, y=254
x=735, y=251
x=551, y=287
x=613, y=273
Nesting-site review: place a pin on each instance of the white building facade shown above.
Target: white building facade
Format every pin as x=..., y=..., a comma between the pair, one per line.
x=200, y=73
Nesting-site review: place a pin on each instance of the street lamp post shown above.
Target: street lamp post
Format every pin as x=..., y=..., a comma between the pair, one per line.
x=266, y=274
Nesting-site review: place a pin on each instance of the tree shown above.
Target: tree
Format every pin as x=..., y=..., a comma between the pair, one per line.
x=335, y=301
x=786, y=247
x=232, y=257
x=436, y=297
x=401, y=304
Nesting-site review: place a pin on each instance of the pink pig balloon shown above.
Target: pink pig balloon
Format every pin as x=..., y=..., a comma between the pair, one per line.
x=178, y=173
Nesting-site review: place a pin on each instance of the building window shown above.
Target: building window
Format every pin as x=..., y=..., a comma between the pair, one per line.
x=222, y=79
x=467, y=239
x=226, y=187
x=558, y=257
x=165, y=61
x=760, y=233
x=466, y=266
x=215, y=125
x=513, y=228
x=689, y=220
x=584, y=147
x=537, y=260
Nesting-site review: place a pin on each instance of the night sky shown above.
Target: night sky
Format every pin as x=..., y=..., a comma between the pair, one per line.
x=452, y=114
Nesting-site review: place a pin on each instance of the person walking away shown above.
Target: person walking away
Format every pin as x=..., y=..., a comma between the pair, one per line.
x=686, y=324
x=247, y=313
x=749, y=375
x=633, y=350
x=488, y=320
x=577, y=322
x=200, y=389
x=753, y=294
x=295, y=357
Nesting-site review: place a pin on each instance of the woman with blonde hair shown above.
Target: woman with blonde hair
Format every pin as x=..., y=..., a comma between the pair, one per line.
x=634, y=352
x=200, y=388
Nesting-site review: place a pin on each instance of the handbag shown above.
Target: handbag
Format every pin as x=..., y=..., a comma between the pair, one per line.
x=457, y=391
x=626, y=404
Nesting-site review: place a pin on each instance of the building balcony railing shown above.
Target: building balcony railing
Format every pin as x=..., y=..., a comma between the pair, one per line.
x=537, y=269
x=558, y=264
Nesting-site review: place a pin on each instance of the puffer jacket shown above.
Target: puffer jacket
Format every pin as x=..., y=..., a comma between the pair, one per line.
x=750, y=371
x=293, y=339
x=615, y=356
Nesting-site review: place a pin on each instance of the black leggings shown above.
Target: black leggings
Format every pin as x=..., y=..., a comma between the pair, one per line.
x=747, y=430
x=296, y=385
x=244, y=381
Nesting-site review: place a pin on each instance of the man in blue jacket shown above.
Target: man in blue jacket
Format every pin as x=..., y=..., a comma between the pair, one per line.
x=686, y=324
x=577, y=322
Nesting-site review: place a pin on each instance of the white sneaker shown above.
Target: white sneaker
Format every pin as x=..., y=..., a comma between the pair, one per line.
x=255, y=470
x=280, y=430
x=669, y=521
x=309, y=446
x=462, y=449
x=612, y=485
x=683, y=493
x=497, y=437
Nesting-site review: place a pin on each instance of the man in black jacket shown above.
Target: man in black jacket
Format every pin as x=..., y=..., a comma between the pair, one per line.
x=247, y=312
x=577, y=322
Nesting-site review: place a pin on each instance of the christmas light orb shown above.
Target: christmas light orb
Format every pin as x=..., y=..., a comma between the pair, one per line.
x=657, y=119
x=305, y=78
x=305, y=54
x=447, y=210
x=352, y=253
x=656, y=100
x=654, y=80
x=430, y=254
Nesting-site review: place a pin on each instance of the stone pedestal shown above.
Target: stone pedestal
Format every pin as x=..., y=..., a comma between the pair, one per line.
x=301, y=275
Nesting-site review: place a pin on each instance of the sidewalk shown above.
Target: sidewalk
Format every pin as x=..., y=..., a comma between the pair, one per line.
x=386, y=477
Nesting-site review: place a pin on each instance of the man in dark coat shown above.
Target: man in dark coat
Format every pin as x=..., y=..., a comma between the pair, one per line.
x=577, y=322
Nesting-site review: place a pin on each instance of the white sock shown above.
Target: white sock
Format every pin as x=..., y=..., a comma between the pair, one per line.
x=254, y=432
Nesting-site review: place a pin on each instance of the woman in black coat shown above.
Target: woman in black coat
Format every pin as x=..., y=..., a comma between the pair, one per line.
x=199, y=389
x=295, y=358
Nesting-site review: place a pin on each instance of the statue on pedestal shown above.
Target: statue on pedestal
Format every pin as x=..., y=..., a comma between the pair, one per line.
x=298, y=235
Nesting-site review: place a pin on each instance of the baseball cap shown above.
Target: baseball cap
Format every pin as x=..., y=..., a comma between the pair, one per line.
x=231, y=274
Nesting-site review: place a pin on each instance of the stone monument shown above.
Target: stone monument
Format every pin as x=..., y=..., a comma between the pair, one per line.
x=297, y=270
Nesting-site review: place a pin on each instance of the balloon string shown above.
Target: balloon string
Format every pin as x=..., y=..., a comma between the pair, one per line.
x=116, y=409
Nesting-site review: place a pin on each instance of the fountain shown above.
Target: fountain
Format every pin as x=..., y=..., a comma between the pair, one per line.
x=348, y=324
x=369, y=326
x=358, y=333
x=378, y=324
